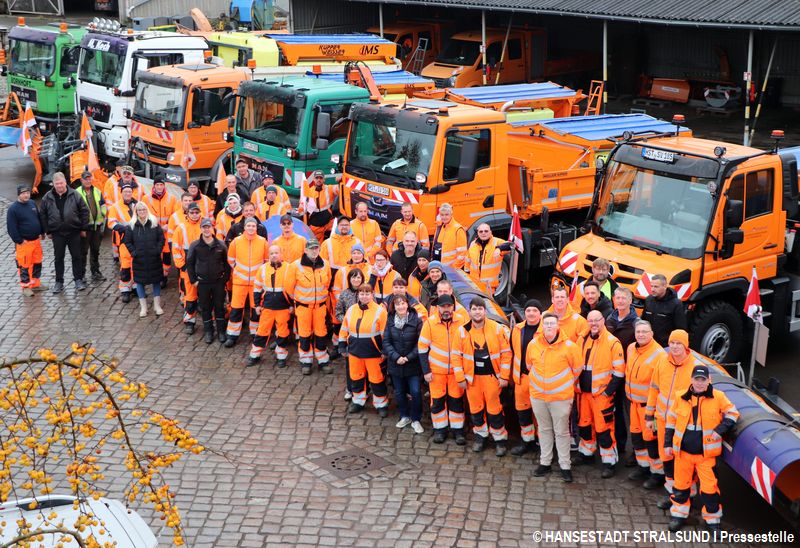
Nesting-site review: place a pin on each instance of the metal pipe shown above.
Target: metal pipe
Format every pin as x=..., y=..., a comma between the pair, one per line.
x=380, y=17
x=763, y=89
x=748, y=79
x=483, y=43
x=507, y=105
x=291, y=17
x=605, y=65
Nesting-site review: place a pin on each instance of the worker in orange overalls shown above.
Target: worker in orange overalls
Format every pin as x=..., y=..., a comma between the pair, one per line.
x=382, y=275
x=206, y=207
x=273, y=308
x=162, y=205
x=182, y=237
x=25, y=229
x=484, y=356
x=228, y=215
x=361, y=340
x=601, y=372
x=485, y=259
x=119, y=215
x=570, y=323
x=275, y=204
x=292, y=245
x=367, y=230
x=450, y=239
x=407, y=223
x=695, y=425
x=671, y=378
x=521, y=337
x=339, y=284
x=112, y=193
x=246, y=254
x=307, y=283
x=643, y=357
x=336, y=249
x=316, y=207
x=438, y=343
x=179, y=216
x=445, y=287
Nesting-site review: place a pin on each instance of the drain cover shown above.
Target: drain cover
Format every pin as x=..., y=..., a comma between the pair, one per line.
x=349, y=463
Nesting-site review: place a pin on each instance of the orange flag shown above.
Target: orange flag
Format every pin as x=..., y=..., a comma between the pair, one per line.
x=92, y=162
x=220, y=179
x=86, y=128
x=188, y=158
x=27, y=121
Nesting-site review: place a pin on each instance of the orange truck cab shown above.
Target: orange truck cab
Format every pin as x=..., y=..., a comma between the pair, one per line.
x=407, y=34
x=428, y=152
x=522, y=58
x=179, y=102
x=704, y=214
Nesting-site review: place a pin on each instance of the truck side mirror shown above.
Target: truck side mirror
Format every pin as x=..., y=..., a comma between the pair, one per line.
x=126, y=112
x=231, y=121
x=321, y=144
x=732, y=233
x=734, y=213
x=468, y=160
x=206, y=99
x=323, y=125
x=3, y=70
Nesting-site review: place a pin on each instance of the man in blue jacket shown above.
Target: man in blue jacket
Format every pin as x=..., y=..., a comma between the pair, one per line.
x=25, y=229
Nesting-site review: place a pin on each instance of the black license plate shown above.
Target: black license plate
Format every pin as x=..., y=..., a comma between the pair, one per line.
x=26, y=95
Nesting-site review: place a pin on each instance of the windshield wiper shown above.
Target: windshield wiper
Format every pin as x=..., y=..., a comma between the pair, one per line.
x=646, y=247
x=358, y=167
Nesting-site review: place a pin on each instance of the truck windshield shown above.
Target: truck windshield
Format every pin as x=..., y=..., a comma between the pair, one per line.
x=32, y=59
x=389, y=154
x=459, y=52
x=270, y=122
x=157, y=105
x=656, y=210
x=103, y=68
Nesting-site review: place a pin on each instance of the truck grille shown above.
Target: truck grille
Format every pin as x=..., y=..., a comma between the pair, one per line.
x=440, y=82
x=383, y=210
x=158, y=152
x=99, y=112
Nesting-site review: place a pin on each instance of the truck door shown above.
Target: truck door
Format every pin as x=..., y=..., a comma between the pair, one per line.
x=67, y=68
x=538, y=56
x=320, y=159
x=756, y=189
x=145, y=60
x=209, y=120
x=515, y=63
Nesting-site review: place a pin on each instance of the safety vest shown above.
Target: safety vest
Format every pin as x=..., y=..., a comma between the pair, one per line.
x=363, y=330
x=259, y=198
x=175, y=220
x=292, y=248
x=336, y=249
x=496, y=339
x=112, y=191
x=552, y=368
x=668, y=381
x=246, y=255
x=382, y=285
x=206, y=207
x=518, y=353
x=308, y=284
x=268, y=289
x=484, y=264
x=322, y=200
x=119, y=213
x=641, y=362
x=100, y=208
x=266, y=210
x=571, y=324
x=369, y=232
x=340, y=280
x=224, y=221
x=711, y=411
x=440, y=342
x=415, y=284
x=162, y=208
x=182, y=237
x=450, y=244
x=602, y=358
x=398, y=231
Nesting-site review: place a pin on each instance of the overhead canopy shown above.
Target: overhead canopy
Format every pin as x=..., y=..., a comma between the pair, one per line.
x=751, y=14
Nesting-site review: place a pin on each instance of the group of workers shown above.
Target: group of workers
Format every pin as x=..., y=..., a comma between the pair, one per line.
x=576, y=368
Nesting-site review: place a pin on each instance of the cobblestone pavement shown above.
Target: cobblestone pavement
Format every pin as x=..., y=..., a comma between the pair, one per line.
x=276, y=426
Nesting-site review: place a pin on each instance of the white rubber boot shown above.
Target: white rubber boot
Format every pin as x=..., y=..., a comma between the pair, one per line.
x=157, y=305
x=142, y=308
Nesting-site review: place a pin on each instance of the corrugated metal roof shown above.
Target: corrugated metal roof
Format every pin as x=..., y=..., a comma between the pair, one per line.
x=783, y=14
x=392, y=77
x=500, y=94
x=605, y=126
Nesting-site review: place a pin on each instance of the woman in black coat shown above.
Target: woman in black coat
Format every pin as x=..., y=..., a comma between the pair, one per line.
x=144, y=239
x=400, y=339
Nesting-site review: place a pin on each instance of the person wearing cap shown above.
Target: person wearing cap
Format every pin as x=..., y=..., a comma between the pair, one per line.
x=231, y=189
x=521, y=337
x=270, y=199
x=273, y=308
x=113, y=186
x=25, y=229
x=231, y=214
x=483, y=358
x=186, y=233
x=419, y=274
x=696, y=424
x=438, y=343
x=671, y=378
x=206, y=211
x=119, y=216
x=429, y=284
x=485, y=259
x=404, y=260
x=292, y=244
x=207, y=268
x=237, y=228
x=460, y=314
x=247, y=180
x=90, y=244
x=246, y=254
x=307, y=282
x=316, y=204
x=162, y=205
x=367, y=230
x=144, y=240
x=402, y=226
x=450, y=239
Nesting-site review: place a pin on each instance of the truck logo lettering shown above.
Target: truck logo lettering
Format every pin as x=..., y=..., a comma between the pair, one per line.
x=369, y=50
x=247, y=145
x=99, y=45
x=332, y=50
x=658, y=155
x=377, y=189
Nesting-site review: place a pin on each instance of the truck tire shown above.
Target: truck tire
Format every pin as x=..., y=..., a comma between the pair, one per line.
x=224, y=157
x=505, y=272
x=716, y=331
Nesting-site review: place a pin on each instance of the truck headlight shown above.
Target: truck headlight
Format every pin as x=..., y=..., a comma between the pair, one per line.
x=171, y=157
x=335, y=158
x=42, y=126
x=119, y=144
x=451, y=82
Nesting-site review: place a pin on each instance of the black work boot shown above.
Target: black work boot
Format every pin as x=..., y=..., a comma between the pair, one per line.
x=126, y=295
x=608, y=471
x=581, y=460
x=439, y=435
x=230, y=341
x=221, y=328
x=188, y=328
x=522, y=448
x=654, y=481
x=640, y=474
x=542, y=470
x=461, y=439
x=479, y=444
x=500, y=448
x=665, y=503
x=676, y=524
x=208, y=332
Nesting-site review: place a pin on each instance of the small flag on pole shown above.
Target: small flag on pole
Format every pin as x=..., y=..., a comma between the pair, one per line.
x=86, y=128
x=752, y=304
x=221, y=176
x=574, y=287
x=93, y=165
x=515, y=236
x=28, y=121
x=188, y=158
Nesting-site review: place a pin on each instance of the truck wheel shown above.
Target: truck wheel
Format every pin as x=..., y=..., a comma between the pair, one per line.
x=716, y=331
x=504, y=275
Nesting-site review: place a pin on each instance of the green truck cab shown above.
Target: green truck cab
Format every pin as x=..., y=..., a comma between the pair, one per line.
x=293, y=126
x=42, y=63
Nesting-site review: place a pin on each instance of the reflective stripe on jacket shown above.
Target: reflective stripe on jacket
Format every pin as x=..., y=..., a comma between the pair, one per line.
x=497, y=344
x=438, y=343
x=642, y=361
x=602, y=358
x=713, y=407
x=668, y=381
x=552, y=367
x=362, y=329
x=246, y=255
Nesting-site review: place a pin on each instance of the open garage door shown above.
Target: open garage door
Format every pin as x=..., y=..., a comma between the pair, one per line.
x=40, y=7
